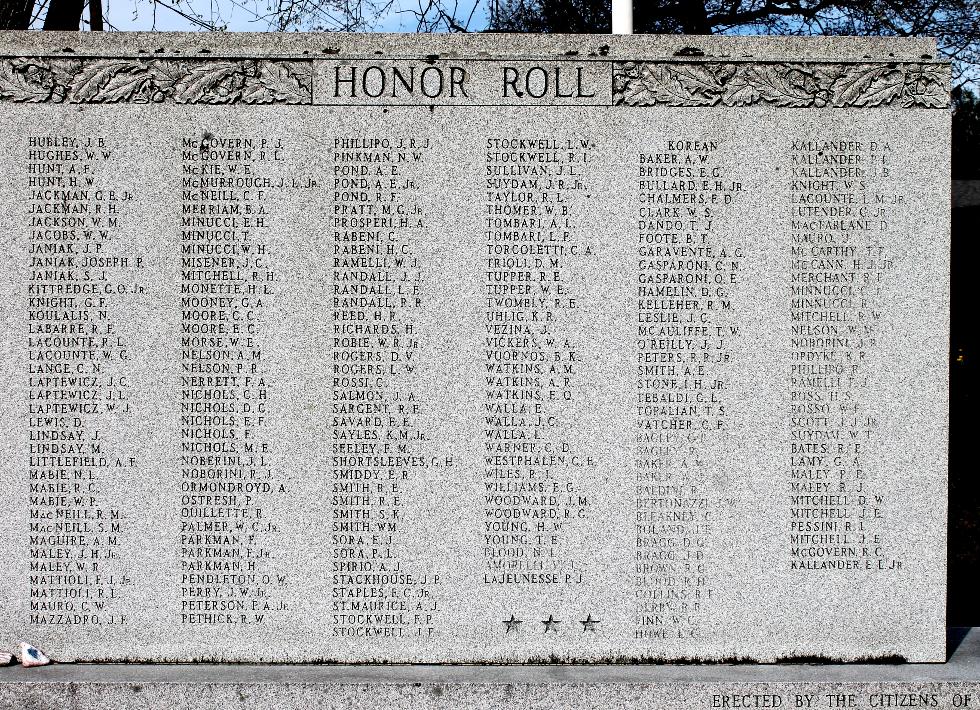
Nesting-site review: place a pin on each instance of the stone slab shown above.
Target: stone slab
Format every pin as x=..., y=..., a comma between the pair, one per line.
x=955, y=684
x=490, y=349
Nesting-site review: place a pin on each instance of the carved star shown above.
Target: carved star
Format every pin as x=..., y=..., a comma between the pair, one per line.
x=589, y=624
x=513, y=623
x=551, y=624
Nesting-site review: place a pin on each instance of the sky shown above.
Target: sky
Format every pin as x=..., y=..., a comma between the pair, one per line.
x=241, y=15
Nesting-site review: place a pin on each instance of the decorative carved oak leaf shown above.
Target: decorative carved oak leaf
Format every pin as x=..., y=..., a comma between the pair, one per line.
x=883, y=90
x=133, y=86
x=701, y=80
x=785, y=85
x=63, y=73
x=278, y=82
x=663, y=86
x=165, y=74
x=625, y=73
x=36, y=70
x=627, y=88
x=17, y=84
x=788, y=85
x=740, y=90
x=633, y=93
x=63, y=70
x=850, y=82
x=867, y=85
x=107, y=80
x=926, y=86
x=211, y=82
x=625, y=70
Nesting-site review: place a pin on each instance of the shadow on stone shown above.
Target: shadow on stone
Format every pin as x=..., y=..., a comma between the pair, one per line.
x=954, y=637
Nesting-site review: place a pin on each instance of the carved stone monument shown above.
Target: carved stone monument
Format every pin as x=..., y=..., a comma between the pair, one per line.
x=473, y=349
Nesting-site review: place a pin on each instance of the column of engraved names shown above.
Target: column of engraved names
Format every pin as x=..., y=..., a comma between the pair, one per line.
x=377, y=447
x=227, y=478
x=536, y=190
x=840, y=209
x=79, y=381
x=687, y=276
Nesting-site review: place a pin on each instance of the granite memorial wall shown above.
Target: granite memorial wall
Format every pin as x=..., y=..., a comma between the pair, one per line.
x=491, y=349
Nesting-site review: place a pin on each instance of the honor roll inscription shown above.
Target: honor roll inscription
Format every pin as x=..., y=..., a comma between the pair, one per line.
x=462, y=350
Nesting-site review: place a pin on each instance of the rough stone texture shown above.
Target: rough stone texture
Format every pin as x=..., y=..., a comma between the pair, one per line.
x=489, y=45
x=668, y=454
x=865, y=687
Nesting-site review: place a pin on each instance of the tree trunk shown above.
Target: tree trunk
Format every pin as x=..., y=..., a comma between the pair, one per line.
x=694, y=17
x=64, y=15
x=95, y=15
x=16, y=14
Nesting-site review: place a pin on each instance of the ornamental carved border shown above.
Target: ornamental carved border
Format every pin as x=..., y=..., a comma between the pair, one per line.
x=784, y=84
x=150, y=80
x=204, y=80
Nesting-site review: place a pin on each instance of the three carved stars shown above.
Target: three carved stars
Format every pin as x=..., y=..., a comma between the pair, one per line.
x=551, y=624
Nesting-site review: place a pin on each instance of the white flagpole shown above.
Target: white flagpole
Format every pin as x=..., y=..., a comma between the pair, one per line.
x=622, y=17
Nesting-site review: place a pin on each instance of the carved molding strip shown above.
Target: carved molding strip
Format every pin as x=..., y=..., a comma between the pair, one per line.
x=147, y=80
x=786, y=84
x=203, y=80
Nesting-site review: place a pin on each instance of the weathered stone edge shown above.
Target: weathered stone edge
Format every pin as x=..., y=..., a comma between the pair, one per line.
x=150, y=80
x=785, y=84
x=457, y=46
x=212, y=80
x=286, y=692
x=963, y=665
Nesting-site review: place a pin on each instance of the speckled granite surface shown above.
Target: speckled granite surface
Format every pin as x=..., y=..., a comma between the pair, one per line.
x=489, y=349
